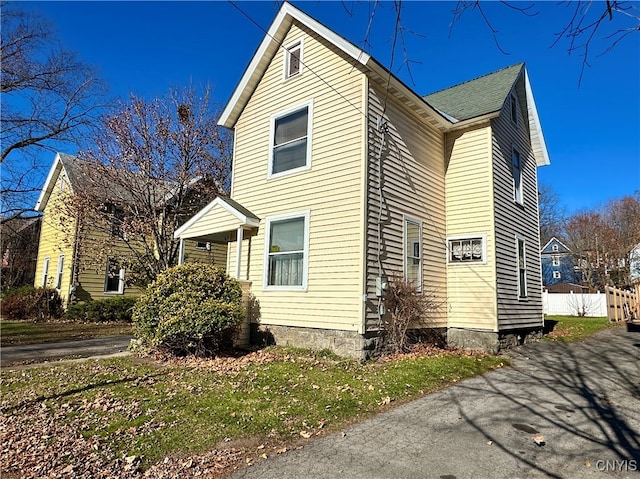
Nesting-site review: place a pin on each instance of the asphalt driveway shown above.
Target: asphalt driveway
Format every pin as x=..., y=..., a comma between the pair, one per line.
x=561, y=411
x=38, y=353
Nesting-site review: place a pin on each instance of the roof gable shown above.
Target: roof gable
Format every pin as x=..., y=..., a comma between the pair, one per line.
x=562, y=248
x=267, y=50
x=229, y=211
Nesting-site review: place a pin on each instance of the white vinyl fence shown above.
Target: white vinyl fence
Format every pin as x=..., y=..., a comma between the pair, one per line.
x=575, y=304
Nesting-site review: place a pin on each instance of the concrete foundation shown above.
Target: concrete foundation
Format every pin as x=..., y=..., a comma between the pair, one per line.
x=491, y=341
x=343, y=343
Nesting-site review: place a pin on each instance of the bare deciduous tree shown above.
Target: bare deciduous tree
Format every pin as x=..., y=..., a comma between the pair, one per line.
x=48, y=96
x=154, y=164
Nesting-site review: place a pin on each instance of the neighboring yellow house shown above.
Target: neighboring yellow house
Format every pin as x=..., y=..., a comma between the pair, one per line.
x=71, y=260
x=343, y=177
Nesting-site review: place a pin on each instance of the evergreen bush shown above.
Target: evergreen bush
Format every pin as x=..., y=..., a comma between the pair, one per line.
x=116, y=309
x=189, y=309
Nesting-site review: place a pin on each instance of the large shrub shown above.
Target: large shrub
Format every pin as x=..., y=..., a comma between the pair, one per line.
x=30, y=303
x=189, y=309
x=117, y=309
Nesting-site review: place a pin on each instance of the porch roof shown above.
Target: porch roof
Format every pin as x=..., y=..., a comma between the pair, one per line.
x=222, y=215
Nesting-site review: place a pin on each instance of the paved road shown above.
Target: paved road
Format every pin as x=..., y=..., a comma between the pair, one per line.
x=37, y=353
x=583, y=398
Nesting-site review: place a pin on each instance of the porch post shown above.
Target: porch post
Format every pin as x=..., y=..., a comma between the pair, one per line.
x=181, y=252
x=239, y=251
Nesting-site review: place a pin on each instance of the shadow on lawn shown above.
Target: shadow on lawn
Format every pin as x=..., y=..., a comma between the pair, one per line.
x=70, y=392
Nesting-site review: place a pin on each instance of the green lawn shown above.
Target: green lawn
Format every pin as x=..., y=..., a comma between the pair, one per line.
x=568, y=329
x=13, y=333
x=150, y=410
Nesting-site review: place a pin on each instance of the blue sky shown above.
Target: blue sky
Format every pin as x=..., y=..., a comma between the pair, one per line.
x=592, y=129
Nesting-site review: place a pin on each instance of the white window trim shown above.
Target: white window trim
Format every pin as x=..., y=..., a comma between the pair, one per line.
x=305, y=258
x=517, y=190
x=59, y=272
x=557, y=275
x=287, y=54
x=45, y=271
x=555, y=261
x=283, y=113
x=482, y=236
x=526, y=285
x=120, y=280
x=514, y=109
x=555, y=248
x=405, y=220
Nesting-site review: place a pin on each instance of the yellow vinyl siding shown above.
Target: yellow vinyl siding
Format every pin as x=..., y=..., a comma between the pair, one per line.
x=471, y=286
x=56, y=238
x=330, y=190
x=413, y=185
x=216, y=220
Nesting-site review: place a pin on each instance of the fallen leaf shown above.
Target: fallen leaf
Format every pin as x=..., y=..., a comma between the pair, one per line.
x=305, y=434
x=489, y=443
x=587, y=463
x=539, y=439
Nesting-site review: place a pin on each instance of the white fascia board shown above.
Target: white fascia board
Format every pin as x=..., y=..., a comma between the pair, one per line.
x=48, y=186
x=276, y=33
x=537, y=138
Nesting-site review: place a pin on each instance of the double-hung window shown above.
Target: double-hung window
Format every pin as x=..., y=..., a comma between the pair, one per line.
x=514, y=109
x=59, y=272
x=114, y=277
x=413, y=252
x=522, y=267
x=291, y=140
x=516, y=169
x=287, y=251
x=45, y=272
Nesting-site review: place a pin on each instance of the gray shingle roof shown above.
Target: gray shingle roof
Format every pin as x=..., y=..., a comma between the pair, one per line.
x=477, y=97
x=239, y=207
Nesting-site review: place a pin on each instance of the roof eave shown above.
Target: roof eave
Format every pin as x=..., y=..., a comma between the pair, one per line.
x=538, y=143
x=271, y=42
x=470, y=122
x=49, y=183
x=437, y=118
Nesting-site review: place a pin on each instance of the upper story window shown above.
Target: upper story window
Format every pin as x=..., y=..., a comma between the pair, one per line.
x=556, y=261
x=413, y=253
x=45, y=272
x=554, y=248
x=293, y=59
x=557, y=275
x=514, y=109
x=516, y=170
x=291, y=140
x=466, y=250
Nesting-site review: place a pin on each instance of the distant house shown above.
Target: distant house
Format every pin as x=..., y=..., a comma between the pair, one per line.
x=71, y=256
x=344, y=178
x=19, y=248
x=558, y=264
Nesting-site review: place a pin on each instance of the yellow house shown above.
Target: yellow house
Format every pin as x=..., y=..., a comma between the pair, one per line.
x=72, y=259
x=343, y=177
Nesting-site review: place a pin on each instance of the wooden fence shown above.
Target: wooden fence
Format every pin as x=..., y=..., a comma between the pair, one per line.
x=623, y=305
